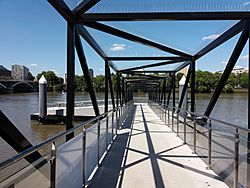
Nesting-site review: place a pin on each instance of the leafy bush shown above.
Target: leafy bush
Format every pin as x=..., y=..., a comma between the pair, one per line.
x=228, y=89
x=203, y=89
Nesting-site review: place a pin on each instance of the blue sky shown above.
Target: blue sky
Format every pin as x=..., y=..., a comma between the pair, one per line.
x=33, y=34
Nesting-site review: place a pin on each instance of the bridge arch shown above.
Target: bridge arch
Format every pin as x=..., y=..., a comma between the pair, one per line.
x=18, y=83
x=1, y=85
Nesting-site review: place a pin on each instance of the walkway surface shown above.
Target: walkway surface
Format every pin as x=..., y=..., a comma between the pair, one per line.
x=147, y=153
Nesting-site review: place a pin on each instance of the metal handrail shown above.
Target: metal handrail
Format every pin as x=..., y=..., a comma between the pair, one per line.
x=209, y=118
x=194, y=118
x=55, y=138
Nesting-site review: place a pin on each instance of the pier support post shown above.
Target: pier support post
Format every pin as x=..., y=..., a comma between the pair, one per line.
x=42, y=97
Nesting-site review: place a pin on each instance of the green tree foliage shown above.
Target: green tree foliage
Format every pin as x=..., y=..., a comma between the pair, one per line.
x=80, y=84
x=30, y=77
x=51, y=78
x=98, y=83
x=206, y=81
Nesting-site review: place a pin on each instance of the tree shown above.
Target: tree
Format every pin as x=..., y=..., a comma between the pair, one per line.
x=51, y=78
x=98, y=83
x=80, y=84
x=31, y=77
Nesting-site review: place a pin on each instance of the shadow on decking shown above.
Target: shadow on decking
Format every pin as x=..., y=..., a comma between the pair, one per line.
x=110, y=173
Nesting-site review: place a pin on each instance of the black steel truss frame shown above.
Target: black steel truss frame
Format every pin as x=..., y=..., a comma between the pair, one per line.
x=78, y=19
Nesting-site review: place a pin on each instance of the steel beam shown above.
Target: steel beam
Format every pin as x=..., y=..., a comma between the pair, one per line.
x=106, y=87
x=170, y=89
x=184, y=90
x=134, y=38
x=85, y=69
x=230, y=65
x=157, y=16
x=70, y=79
x=192, y=86
x=182, y=66
x=174, y=85
x=91, y=41
x=152, y=65
x=117, y=89
x=234, y=30
x=146, y=75
x=16, y=139
x=164, y=90
x=123, y=90
x=62, y=9
x=83, y=7
x=157, y=58
x=147, y=71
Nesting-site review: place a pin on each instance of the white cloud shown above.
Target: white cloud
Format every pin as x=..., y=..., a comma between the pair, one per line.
x=224, y=62
x=211, y=37
x=117, y=47
x=244, y=57
x=33, y=65
x=246, y=3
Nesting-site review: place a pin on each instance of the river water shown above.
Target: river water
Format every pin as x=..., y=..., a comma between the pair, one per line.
x=18, y=107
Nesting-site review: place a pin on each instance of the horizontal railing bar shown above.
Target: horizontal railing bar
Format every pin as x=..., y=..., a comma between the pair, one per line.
x=27, y=152
x=210, y=118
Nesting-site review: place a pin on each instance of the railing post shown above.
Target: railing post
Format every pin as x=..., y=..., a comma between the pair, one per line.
x=168, y=116
x=84, y=157
x=117, y=121
x=98, y=142
x=112, y=133
x=107, y=127
x=177, y=122
x=165, y=114
x=173, y=119
x=185, y=127
x=209, y=144
x=53, y=166
x=194, y=119
x=236, y=158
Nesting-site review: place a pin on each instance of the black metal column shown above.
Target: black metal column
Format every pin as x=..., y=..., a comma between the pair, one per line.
x=192, y=86
x=164, y=91
x=230, y=65
x=106, y=87
x=117, y=89
x=85, y=70
x=159, y=93
x=174, y=89
x=170, y=89
x=123, y=91
x=70, y=78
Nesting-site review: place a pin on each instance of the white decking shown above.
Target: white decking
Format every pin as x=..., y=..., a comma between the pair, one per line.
x=147, y=153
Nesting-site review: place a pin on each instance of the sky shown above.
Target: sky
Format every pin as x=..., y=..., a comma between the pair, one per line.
x=33, y=34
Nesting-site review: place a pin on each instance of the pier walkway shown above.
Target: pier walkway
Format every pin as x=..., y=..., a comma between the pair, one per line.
x=147, y=153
